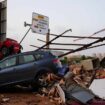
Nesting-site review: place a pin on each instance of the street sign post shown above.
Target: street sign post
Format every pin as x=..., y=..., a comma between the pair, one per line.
x=40, y=24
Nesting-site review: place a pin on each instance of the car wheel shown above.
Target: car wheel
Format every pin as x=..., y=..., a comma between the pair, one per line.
x=40, y=80
x=5, y=51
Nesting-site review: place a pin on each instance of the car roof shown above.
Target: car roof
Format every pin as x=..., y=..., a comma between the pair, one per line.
x=23, y=53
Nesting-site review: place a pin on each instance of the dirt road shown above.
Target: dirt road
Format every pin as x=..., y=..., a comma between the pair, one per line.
x=18, y=96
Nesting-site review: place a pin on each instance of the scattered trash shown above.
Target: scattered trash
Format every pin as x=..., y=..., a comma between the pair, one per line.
x=54, y=90
x=76, y=87
x=83, y=96
x=5, y=99
x=60, y=93
x=100, y=74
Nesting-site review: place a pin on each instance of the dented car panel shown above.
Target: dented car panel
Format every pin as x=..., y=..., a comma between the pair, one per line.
x=26, y=66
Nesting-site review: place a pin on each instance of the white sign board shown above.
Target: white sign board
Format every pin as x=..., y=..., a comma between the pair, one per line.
x=98, y=87
x=40, y=24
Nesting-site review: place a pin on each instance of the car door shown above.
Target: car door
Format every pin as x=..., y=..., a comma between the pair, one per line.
x=26, y=67
x=7, y=73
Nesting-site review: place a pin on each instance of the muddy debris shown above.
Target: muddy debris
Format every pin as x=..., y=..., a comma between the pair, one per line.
x=71, y=89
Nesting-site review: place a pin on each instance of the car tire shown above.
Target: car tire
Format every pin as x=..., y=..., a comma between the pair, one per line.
x=39, y=81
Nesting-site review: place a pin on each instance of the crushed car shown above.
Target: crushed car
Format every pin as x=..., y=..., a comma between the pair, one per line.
x=28, y=68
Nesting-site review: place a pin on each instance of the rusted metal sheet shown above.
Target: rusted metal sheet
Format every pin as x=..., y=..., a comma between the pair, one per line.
x=3, y=20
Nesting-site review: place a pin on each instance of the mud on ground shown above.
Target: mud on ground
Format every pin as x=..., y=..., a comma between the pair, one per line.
x=18, y=96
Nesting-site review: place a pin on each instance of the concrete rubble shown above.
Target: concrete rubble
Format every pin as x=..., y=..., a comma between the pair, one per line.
x=73, y=87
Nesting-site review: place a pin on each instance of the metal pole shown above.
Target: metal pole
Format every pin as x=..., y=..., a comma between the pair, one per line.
x=68, y=44
x=71, y=49
x=83, y=47
x=53, y=48
x=53, y=39
x=77, y=36
x=25, y=35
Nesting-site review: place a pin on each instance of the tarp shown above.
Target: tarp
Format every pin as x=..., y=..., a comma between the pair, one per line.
x=79, y=93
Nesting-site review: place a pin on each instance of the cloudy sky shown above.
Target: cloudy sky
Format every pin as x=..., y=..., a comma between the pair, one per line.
x=84, y=17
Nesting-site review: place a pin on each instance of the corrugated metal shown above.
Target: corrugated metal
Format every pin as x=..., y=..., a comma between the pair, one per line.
x=3, y=20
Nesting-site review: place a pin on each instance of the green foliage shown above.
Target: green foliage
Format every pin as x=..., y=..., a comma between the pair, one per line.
x=64, y=61
x=83, y=57
x=79, y=58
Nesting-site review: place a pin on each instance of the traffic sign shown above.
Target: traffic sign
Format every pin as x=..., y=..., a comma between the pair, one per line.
x=40, y=23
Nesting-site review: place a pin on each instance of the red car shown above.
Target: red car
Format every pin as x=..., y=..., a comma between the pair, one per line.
x=9, y=47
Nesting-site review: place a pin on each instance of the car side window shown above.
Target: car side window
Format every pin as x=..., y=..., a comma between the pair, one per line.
x=26, y=59
x=39, y=56
x=8, y=63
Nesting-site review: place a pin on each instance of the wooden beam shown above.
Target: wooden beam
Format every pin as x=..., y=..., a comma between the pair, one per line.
x=77, y=36
x=53, y=39
x=67, y=44
x=52, y=48
x=83, y=47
